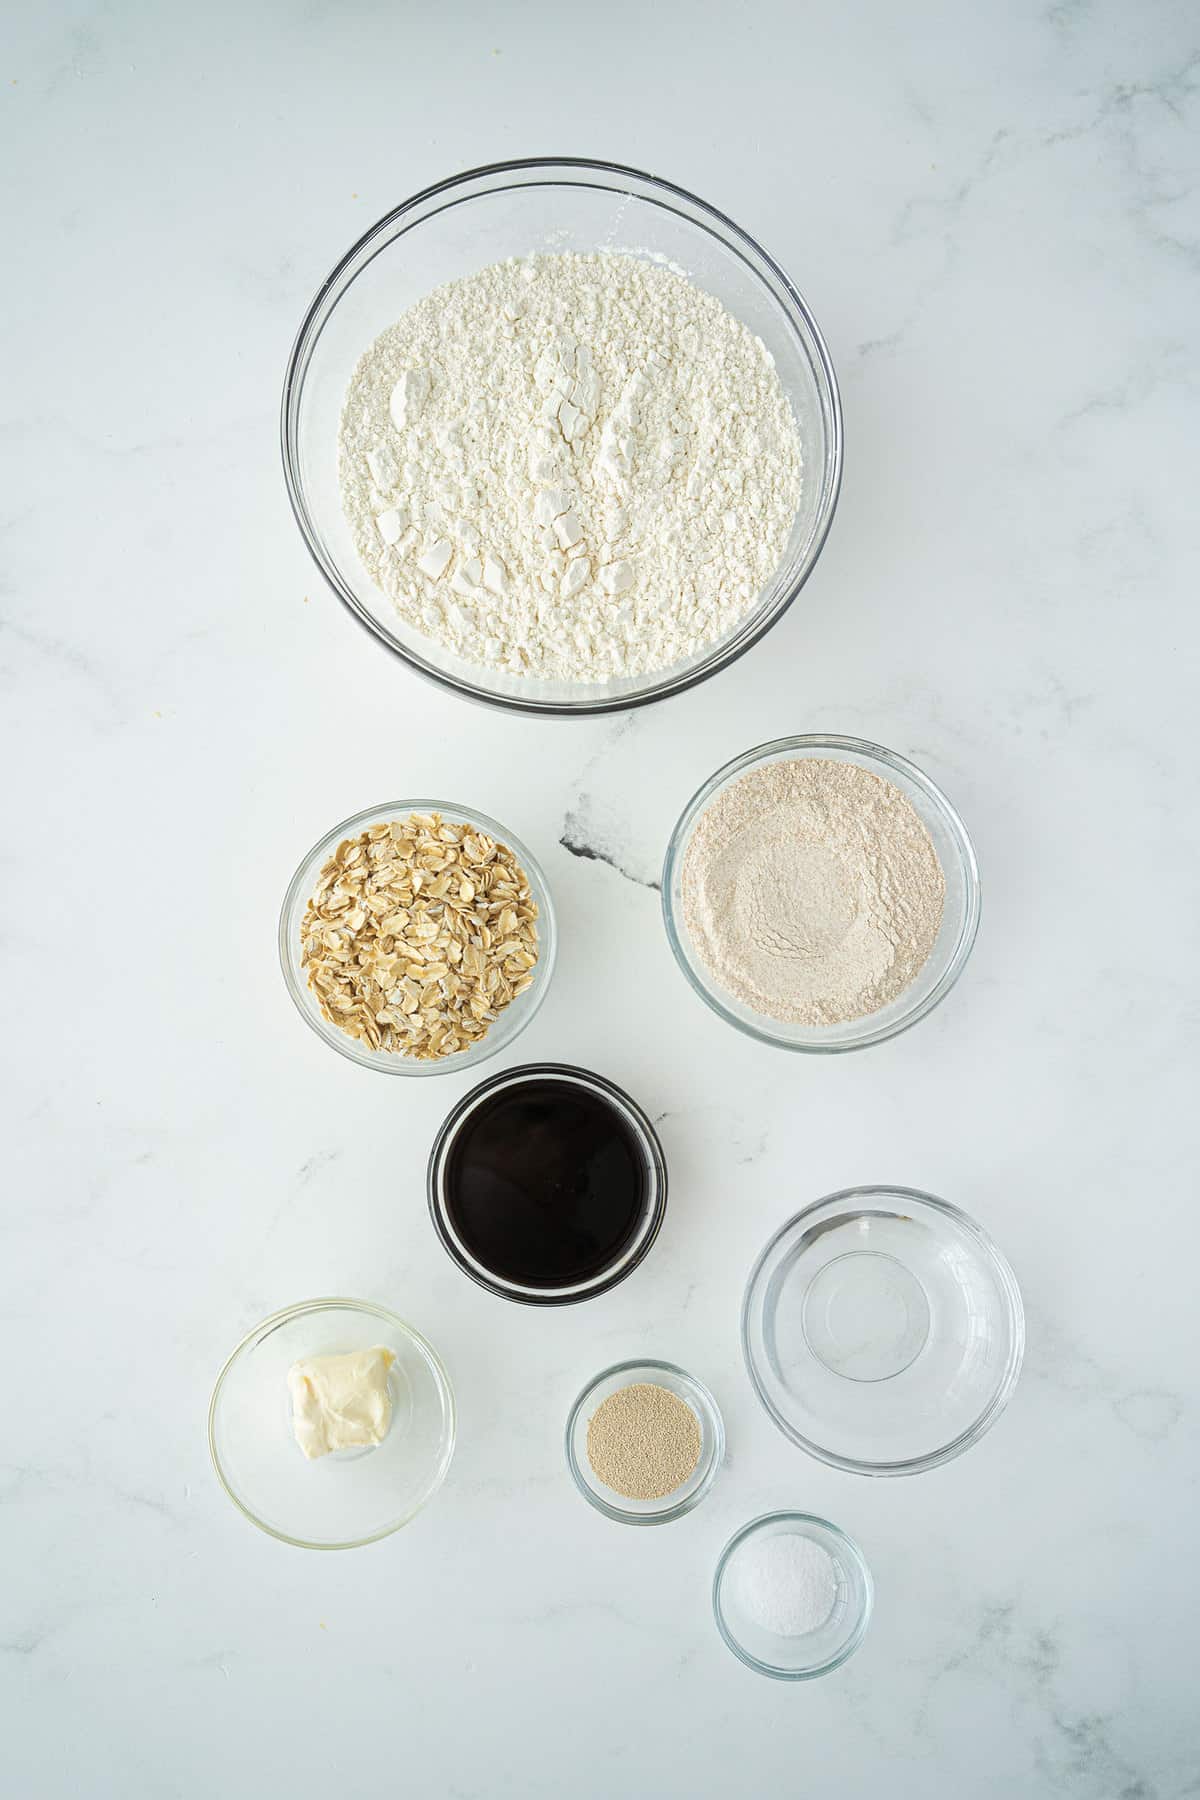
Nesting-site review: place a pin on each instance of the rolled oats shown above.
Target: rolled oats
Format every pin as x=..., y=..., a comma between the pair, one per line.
x=418, y=934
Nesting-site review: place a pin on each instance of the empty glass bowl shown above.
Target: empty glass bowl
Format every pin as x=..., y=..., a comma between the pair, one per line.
x=805, y=1655
x=712, y=1443
x=464, y=224
x=349, y=1497
x=883, y=1330
x=508, y=1024
x=960, y=913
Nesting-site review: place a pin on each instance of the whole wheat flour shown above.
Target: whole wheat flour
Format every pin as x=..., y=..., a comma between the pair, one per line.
x=812, y=891
x=570, y=466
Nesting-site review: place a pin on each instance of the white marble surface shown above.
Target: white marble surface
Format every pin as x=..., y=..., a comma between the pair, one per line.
x=991, y=211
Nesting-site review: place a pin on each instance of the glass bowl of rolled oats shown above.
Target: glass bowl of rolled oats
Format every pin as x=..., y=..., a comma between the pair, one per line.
x=418, y=937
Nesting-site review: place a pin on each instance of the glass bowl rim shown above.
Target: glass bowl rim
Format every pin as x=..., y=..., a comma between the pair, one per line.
x=543, y=969
x=341, y=1303
x=789, y=1516
x=715, y=1421
x=1015, y=1308
x=777, y=749
x=719, y=225
x=494, y=1284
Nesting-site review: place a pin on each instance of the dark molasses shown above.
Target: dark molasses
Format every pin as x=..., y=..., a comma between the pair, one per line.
x=545, y=1183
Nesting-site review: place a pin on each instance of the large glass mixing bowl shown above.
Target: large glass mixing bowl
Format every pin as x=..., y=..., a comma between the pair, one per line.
x=511, y=209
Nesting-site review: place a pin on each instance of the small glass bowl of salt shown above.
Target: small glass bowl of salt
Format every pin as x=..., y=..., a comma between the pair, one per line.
x=792, y=1596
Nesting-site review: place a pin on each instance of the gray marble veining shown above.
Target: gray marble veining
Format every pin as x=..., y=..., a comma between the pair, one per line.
x=994, y=212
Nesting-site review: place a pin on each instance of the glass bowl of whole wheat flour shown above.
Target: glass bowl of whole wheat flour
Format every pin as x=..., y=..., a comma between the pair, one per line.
x=820, y=893
x=661, y=511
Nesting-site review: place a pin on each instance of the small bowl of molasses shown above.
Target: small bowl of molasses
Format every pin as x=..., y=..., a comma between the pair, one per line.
x=547, y=1184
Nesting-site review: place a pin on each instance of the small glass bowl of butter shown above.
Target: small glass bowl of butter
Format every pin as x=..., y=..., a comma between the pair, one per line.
x=276, y=1448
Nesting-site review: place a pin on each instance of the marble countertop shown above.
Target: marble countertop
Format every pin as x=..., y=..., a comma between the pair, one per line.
x=991, y=212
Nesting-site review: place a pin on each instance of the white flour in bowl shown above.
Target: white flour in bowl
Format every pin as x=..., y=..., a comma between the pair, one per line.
x=572, y=467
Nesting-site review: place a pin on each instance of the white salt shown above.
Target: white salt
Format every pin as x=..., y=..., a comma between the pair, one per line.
x=786, y=1583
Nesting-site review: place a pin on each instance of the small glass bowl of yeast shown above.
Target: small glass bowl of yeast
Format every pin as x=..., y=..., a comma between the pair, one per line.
x=695, y=1486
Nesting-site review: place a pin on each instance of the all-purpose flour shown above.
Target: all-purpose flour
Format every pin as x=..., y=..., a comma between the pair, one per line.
x=572, y=467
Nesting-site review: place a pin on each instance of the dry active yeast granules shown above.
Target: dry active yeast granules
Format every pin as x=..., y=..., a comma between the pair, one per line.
x=643, y=1441
x=572, y=467
x=812, y=891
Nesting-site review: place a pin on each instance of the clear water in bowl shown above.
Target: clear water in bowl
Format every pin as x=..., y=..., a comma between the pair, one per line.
x=883, y=1330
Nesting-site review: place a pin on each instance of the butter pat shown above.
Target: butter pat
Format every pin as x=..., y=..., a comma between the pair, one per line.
x=341, y=1402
